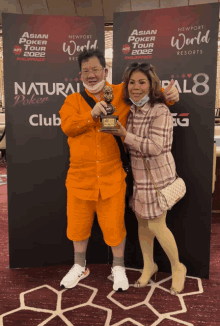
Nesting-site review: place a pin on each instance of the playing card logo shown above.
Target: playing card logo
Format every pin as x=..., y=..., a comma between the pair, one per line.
x=17, y=50
x=189, y=75
x=183, y=75
x=126, y=48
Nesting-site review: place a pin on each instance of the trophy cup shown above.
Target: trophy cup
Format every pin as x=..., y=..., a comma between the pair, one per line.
x=109, y=121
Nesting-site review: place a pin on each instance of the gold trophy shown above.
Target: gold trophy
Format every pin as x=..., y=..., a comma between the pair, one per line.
x=109, y=121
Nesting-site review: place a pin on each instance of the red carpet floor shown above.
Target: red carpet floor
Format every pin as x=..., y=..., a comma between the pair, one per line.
x=32, y=296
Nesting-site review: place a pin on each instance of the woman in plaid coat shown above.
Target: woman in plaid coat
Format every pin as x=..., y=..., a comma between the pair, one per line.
x=150, y=132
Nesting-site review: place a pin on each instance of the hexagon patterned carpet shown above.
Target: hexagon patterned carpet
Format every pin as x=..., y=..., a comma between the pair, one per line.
x=33, y=297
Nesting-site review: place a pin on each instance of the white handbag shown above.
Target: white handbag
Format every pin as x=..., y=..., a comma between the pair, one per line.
x=170, y=195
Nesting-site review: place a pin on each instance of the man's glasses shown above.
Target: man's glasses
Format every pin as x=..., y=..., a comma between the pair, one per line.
x=95, y=71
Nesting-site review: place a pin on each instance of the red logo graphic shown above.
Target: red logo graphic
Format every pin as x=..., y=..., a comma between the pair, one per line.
x=17, y=50
x=126, y=48
x=183, y=75
x=189, y=75
x=183, y=114
x=181, y=119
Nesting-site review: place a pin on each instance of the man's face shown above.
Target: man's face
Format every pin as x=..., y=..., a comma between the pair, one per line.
x=92, y=71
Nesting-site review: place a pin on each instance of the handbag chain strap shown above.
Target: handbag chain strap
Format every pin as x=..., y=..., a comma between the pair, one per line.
x=150, y=174
x=145, y=164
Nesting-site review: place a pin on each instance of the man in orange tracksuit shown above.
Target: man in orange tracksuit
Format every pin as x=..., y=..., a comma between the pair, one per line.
x=96, y=179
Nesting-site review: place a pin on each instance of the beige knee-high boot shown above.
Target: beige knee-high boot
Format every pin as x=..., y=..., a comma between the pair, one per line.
x=166, y=239
x=146, y=238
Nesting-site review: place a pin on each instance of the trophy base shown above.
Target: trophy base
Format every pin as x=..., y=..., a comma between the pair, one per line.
x=109, y=122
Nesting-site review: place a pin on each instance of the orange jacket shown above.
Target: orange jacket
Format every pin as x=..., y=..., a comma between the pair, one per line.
x=95, y=163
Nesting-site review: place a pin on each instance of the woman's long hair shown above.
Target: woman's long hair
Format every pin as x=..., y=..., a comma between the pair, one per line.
x=155, y=93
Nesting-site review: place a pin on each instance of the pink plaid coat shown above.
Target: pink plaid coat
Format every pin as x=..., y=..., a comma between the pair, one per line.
x=150, y=131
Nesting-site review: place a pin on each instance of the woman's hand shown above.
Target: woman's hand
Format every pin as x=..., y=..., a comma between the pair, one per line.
x=171, y=93
x=120, y=132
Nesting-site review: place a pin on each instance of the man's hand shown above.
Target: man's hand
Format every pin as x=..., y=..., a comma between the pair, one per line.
x=171, y=93
x=99, y=109
x=120, y=132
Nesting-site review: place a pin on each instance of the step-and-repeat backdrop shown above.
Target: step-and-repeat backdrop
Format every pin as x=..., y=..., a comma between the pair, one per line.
x=40, y=70
x=182, y=44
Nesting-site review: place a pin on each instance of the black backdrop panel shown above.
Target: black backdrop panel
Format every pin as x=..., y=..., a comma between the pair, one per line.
x=182, y=44
x=40, y=70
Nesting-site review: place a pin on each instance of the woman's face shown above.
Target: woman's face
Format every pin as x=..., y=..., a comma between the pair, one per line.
x=138, y=86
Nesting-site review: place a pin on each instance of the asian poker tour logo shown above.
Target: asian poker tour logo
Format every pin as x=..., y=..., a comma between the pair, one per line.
x=32, y=47
x=141, y=44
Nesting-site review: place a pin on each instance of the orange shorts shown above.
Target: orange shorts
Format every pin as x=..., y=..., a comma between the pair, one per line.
x=110, y=213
